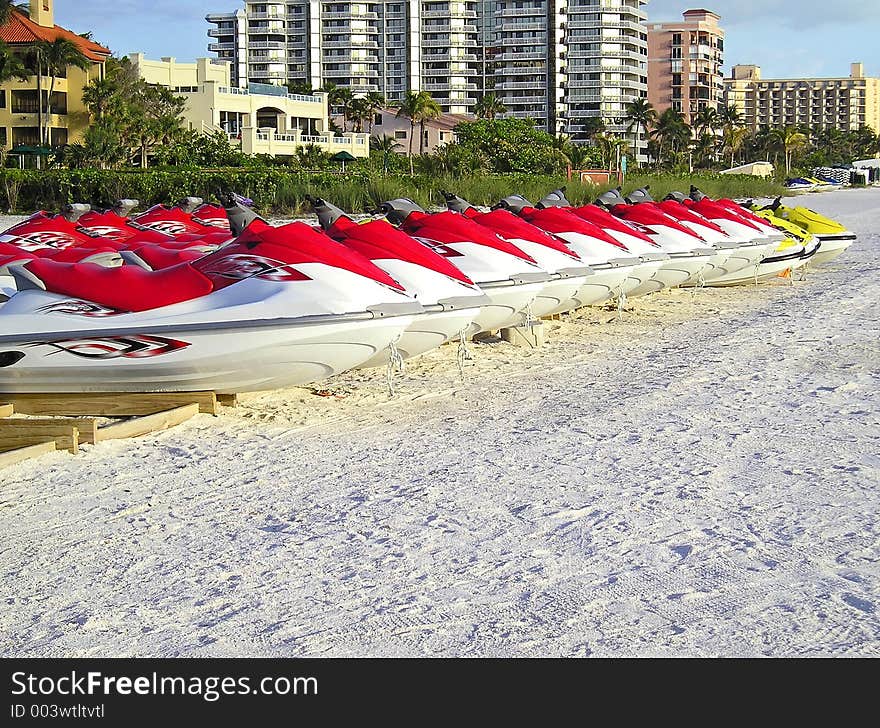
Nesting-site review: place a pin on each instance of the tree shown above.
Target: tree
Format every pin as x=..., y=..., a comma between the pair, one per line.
x=101, y=96
x=303, y=88
x=358, y=113
x=509, y=145
x=156, y=119
x=7, y=8
x=386, y=145
x=419, y=107
x=610, y=147
x=311, y=156
x=375, y=102
x=57, y=57
x=489, y=107
x=672, y=134
x=794, y=141
x=706, y=121
x=10, y=65
x=593, y=126
x=341, y=98
x=733, y=139
x=641, y=115
x=141, y=117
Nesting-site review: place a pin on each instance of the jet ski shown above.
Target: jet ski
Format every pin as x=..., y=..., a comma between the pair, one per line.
x=116, y=225
x=708, y=235
x=743, y=249
x=577, y=283
x=615, y=269
x=649, y=276
x=800, y=183
x=450, y=299
x=179, y=222
x=690, y=256
x=510, y=278
x=834, y=238
x=278, y=307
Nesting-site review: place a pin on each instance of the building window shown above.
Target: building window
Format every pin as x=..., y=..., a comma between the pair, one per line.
x=2, y=99
x=400, y=135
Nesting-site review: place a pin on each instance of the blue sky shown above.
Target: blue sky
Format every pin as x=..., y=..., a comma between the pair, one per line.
x=784, y=37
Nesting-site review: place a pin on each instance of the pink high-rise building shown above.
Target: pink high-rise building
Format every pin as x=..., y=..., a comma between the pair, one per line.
x=684, y=63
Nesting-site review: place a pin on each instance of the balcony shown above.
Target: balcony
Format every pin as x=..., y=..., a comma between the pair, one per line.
x=348, y=15
x=449, y=86
x=221, y=47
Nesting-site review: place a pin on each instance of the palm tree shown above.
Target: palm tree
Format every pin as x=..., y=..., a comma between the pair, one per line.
x=671, y=133
x=59, y=55
x=419, y=107
x=706, y=121
x=729, y=116
x=593, y=125
x=340, y=97
x=385, y=144
x=734, y=137
x=489, y=107
x=358, y=113
x=7, y=8
x=375, y=102
x=99, y=95
x=641, y=115
x=794, y=141
x=11, y=65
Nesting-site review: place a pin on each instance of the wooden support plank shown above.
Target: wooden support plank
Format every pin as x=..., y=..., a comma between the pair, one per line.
x=147, y=424
x=109, y=405
x=7, y=410
x=87, y=426
x=22, y=433
x=228, y=400
x=26, y=453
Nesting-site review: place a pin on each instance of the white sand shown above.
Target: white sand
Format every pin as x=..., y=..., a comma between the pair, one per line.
x=698, y=479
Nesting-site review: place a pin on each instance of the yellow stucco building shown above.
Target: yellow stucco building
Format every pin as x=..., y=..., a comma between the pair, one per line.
x=19, y=102
x=263, y=119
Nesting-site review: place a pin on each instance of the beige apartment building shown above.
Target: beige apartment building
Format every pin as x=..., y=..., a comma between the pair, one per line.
x=263, y=119
x=840, y=103
x=684, y=63
x=64, y=115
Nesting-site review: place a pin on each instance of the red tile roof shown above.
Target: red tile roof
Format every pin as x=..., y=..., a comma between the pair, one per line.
x=21, y=29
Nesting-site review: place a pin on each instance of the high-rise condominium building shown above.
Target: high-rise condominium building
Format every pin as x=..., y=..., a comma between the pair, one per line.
x=558, y=62
x=389, y=47
x=839, y=103
x=684, y=63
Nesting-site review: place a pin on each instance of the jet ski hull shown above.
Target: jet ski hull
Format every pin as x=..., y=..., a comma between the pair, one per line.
x=603, y=285
x=644, y=280
x=558, y=296
x=426, y=332
x=227, y=357
x=831, y=248
x=507, y=305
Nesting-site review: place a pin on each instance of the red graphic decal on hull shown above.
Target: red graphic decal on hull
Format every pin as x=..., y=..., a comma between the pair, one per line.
x=117, y=347
x=79, y=308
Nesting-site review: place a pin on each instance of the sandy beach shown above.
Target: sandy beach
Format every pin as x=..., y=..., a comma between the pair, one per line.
x=698, y=478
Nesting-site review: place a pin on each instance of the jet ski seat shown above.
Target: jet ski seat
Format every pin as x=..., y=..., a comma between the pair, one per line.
x=125, y=288
x=157, y=257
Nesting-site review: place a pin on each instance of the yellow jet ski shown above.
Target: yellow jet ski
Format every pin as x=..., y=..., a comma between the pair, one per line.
x=798, y=248
x=833, y=237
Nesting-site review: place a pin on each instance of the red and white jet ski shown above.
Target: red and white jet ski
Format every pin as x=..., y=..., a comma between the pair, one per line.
x=450, y=299
x=278, y=307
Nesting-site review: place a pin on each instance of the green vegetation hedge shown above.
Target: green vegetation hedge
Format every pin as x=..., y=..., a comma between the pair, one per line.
x=277, y=190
